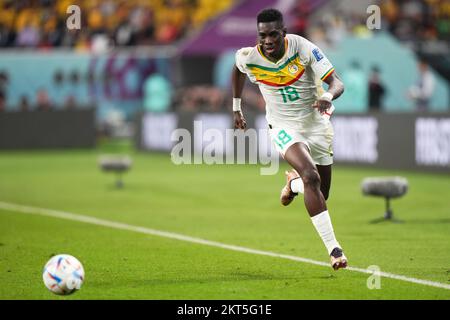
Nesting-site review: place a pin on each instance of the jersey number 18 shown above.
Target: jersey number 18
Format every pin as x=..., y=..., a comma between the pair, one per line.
x=289, y=93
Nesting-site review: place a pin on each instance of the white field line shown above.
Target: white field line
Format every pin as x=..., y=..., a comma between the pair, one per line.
x=171, y=235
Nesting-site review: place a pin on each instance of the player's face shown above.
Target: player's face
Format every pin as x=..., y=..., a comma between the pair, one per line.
x=271, y=38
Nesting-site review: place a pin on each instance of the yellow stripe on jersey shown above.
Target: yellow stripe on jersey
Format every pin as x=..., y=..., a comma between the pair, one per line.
x=286, y=74
x=326, y=75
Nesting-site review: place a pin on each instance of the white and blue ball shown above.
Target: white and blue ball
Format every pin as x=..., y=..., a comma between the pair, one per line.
x=63, y=274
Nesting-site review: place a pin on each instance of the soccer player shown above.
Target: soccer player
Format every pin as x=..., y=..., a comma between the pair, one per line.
x=289, y=71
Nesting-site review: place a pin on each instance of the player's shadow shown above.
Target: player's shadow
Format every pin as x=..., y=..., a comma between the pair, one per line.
x=224, y=278
x=326, y=277
x=427, y=221
x=252, y=276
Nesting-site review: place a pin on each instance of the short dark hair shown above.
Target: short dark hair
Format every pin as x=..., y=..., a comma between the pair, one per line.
x=270, y=15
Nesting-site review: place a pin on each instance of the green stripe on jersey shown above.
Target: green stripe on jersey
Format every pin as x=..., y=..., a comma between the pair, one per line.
x=250, y=65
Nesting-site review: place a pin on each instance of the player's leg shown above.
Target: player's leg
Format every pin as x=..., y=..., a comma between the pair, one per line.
x=325, y=179
x=283, y=139
x=293, y=187
x=299, y=158
x=294, y=183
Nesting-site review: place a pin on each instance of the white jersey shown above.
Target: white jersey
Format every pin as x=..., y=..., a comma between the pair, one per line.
x=291, y=85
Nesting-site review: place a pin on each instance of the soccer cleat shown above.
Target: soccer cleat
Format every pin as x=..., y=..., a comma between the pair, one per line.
x=287, y=195
x=338, y=259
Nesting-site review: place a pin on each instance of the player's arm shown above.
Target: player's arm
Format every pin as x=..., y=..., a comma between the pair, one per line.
x=238, y=82
x=335, y=89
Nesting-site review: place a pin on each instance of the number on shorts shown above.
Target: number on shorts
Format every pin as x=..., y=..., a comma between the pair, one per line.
x=283, y=137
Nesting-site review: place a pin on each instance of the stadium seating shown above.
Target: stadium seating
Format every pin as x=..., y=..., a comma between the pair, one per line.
x=42, y=24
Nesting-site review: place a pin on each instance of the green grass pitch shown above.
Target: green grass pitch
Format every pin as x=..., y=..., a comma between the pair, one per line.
x=231, y=204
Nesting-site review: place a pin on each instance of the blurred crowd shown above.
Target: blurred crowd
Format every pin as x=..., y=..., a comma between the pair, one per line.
x=210, y=98
x=407, y=20
x=42, y=23
x=418, y=19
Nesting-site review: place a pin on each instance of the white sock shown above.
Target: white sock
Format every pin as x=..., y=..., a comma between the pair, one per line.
x=322, y=223
x=297, y=185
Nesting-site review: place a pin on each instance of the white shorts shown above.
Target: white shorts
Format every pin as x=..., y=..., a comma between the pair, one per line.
x=319, y=144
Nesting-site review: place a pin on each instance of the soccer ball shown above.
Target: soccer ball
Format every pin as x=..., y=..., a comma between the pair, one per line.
x=63, y=274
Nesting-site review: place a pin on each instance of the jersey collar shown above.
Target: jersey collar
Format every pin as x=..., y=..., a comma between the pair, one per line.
x=285, y=52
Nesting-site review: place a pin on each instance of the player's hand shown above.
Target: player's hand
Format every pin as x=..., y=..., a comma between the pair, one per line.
x=322, y=105
x=239, y=120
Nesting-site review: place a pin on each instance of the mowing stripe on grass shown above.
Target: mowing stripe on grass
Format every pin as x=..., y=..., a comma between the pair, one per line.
x=171, y=235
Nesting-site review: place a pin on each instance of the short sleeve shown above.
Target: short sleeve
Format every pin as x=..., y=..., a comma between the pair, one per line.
x=241, y=57
x=320, y=64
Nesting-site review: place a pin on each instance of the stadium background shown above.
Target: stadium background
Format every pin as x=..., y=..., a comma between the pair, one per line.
x=137, y=70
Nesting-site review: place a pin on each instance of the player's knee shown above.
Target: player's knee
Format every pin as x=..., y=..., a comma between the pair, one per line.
x=311, y=178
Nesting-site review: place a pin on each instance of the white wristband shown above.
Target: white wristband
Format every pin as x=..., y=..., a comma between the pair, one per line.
x=236, y=104
x=327, y=96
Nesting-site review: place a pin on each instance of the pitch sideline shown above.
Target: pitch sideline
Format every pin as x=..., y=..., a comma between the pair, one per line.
x=171, y=235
